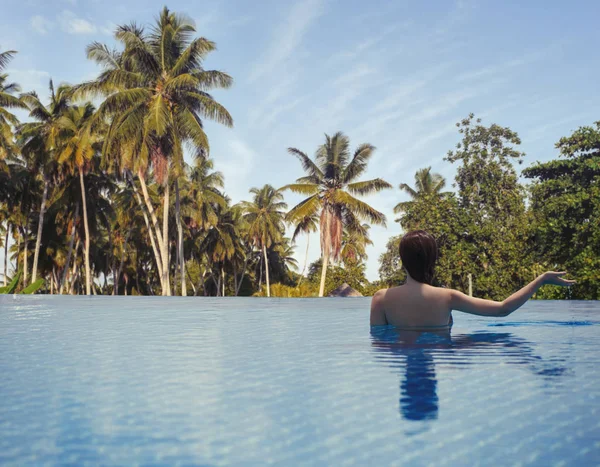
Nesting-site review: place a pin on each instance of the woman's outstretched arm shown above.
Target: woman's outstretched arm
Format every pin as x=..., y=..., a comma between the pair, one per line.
x=477, y=306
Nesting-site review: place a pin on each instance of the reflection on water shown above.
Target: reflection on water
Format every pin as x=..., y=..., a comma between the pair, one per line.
x=413, y=352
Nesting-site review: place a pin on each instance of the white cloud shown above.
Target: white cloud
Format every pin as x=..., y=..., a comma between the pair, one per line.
x=72, y=24
x=288, y=36
x=40, y=24
x=31, y=80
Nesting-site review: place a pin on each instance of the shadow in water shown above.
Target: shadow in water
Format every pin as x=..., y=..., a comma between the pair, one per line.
x=413, y=352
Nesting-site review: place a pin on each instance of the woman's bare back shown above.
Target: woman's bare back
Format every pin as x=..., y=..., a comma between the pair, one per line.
x=413, y=305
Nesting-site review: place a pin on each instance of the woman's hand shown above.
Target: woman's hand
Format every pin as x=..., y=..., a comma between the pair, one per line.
x=555, y=278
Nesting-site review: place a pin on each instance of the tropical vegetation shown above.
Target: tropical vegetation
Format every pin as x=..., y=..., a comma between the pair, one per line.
x=109, y=187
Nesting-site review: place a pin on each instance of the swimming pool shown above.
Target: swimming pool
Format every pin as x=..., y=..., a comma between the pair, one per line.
x=292, y=382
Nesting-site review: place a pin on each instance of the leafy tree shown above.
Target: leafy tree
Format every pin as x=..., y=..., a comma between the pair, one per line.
x=565, y=203
x=330, y=184
x=496, y=234
x=390, y=267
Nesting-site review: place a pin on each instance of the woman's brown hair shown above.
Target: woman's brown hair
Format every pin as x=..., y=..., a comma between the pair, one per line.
x=419, y=252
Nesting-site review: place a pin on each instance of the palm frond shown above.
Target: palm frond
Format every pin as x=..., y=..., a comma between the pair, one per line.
x=369, y=186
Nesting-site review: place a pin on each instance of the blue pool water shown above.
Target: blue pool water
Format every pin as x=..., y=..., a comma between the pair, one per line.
x=293, y=382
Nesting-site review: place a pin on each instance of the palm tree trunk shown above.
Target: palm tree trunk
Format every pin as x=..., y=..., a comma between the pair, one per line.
x=239, y=285
x=71, y=241
x=52, y=282
x=149, y=228
x=223, y=277
x=305, y=260
x=87, y=234
x=74, y=272
x=25, y=254
x=180, y=242
x=165, y=243
x=324, y=272
x=6, y=254
x=191, y=283
x=218, y=284
x=38, y=240
x=325, y=248
x=116, y=286
x=235, y=279
x=267, y=271
x=18, y=245
x=162, y=247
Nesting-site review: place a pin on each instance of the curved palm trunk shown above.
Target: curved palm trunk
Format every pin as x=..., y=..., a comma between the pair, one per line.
x=162, y=240
x=239, y=283
x=305, y=260
x=165, y=243
x=88, y=290
x=180, y=241
x=267, y=271
x=6, y=254
x=155, y=250
x=38, y=240
x=71, y=241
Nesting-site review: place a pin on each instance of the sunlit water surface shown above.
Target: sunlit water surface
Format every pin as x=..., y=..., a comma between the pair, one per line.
x=292, y=382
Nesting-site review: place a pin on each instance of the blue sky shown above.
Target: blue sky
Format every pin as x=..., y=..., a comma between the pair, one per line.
x=396, y=74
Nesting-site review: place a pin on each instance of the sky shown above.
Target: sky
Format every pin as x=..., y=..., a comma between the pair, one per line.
x=396, y=74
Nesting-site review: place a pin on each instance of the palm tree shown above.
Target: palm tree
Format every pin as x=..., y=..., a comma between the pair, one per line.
x=222, y=242
x=354, y=245
x=7, y=101
x=156, y=94
x=79, y=142
x=330, y=184
x=426, y=183
x=39, y=141
x=8, y=122
x=264, y=215
x=305, y=225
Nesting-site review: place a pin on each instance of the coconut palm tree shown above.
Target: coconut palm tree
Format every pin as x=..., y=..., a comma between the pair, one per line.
x=264, y=215
x=354, y=245
x=8, y=100
x=221, y=244
x=79, y=142
x=426, y=183
x=156, y=93
x=39, y=141
x=330, y=184
x=307, y=225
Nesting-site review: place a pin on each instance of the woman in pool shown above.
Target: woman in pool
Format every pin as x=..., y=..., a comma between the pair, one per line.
x=417, y=304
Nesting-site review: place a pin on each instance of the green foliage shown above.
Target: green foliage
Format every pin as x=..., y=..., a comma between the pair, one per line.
x=353, y=275
x=33, y=288
x=12, y=286
x=565, y=204
x=391, y=273
x=305, y=289
x=490, y=234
